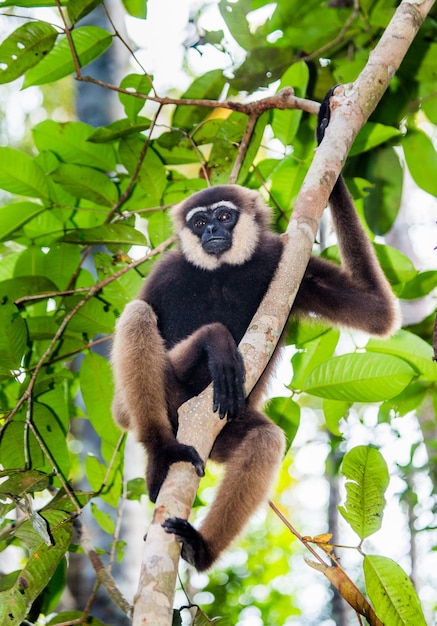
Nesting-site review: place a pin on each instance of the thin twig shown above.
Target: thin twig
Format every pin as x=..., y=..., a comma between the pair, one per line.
x=67, y=32
x=244, y=144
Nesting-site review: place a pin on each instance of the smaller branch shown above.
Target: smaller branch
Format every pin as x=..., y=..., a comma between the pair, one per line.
x=294, y=532
x=336, y=40
x=67, y=32
x=244, y=144
x=125, y=195
x=283, y=100
x=117, y=530
x=103, y=575
x=111, y=462
x=127, y=46
x=51, y=294
x=335, y=574
x=70, y=493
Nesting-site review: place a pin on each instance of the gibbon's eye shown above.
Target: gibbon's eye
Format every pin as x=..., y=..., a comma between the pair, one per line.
x=199, y=223
x=224, y=216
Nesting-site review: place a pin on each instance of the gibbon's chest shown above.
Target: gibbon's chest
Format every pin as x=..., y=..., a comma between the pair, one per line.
x=185, y=298
x=215, y=297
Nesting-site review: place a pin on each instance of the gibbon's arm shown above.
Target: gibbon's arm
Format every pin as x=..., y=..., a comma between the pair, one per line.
x=357, y=294
x=215, y=344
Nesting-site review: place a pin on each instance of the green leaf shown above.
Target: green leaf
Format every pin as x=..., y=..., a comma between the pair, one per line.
x=360, y=377
x=93, y=317
x=14, y=216
x=121, y=291
x=39, y=569
x=151, y=176
x=334, y=411
x=410, y=399
x=11, y=447
x=225, y=147
x=118, y=129
x=53, y=435
x=234, y=14
x=29, y=3
x=77, y=9
x=71, y=142
x=159, y=227
x=98, y=477
x=20, y=175
x=20, y=482
x=58, y=264
x=24, y=48
x=13, y=337
x=421, y=158
x=206, y=87
x=372, y=135
x=50, y=432
x=89, y=42
x=314, y=353
x=135, y=489
x=410, y=348
x=421, y=285
x=382, y=203
x=139, y=83
x=97, y=391
x=103, y=519
x=396, y=266
x=75, y=617
x=285, y=123
x=136, y=8
x=119, y=234
x=367, y=479
x=285, y=412
x=392, y=593
x=86, y=182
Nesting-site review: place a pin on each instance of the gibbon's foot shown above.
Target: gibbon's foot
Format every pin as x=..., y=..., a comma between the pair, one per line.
x=157, y=468
x=194, y=548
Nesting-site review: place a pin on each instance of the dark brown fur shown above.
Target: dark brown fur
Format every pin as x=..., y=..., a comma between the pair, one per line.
x=183, y=332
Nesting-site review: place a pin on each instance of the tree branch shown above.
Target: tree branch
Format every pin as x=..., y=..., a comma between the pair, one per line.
x=198, y=426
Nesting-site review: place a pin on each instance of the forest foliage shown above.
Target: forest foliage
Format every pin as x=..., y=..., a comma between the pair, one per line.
x=73, y=205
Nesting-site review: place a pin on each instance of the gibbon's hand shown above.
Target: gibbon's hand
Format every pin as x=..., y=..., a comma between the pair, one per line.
x=324, y=115
x=228, y=376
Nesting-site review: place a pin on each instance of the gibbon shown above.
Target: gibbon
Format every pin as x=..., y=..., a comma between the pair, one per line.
x=183, y=331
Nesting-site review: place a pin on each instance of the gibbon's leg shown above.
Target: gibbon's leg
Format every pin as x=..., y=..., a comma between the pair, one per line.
x=211, y=353
x=140, y=363
x=252, y=449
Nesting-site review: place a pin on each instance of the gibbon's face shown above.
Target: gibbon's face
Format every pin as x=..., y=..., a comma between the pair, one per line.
x=213, y=226
x=220, y=225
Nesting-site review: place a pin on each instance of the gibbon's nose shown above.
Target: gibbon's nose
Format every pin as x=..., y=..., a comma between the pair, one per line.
x=211, y=228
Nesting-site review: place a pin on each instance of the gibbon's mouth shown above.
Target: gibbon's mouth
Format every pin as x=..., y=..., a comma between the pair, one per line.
x=216, y=245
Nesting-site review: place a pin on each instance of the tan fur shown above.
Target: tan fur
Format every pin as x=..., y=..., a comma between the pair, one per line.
x=246, y=235
x=251, y=471
x=137, y=344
